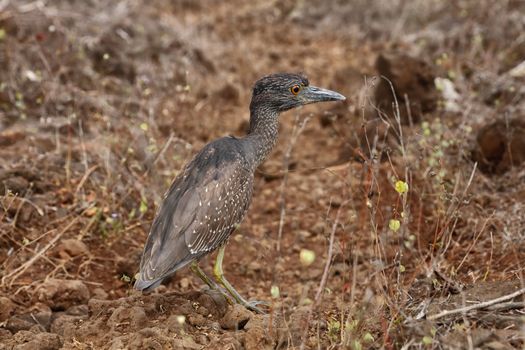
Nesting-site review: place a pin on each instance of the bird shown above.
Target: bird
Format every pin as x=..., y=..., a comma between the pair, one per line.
x=210, y=197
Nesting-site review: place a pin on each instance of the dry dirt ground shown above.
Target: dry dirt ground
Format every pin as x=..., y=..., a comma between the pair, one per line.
x=102, y=102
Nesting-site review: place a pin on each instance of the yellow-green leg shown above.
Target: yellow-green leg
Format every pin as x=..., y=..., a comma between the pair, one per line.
x=198, y=271
x=219, y=275
x=212, y=284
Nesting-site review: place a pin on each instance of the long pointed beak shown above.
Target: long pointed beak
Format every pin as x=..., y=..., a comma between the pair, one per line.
x=314, y=94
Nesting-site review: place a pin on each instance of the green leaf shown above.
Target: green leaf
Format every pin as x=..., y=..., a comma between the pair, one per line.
x=143, y=206
x=394, y=225
x=427, y=340
x=401, y=187
x=274, y=291
x=368, y=338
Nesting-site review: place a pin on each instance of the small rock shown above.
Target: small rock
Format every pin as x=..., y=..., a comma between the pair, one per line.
x=132, y=317
x=40, y=341
x=235, y=318
x=78, y=310
x=410, y=77
x=197, y=320
x=8, y=138
x=6, y=308
x=63, y=323
x=229, y=93
x=214, y=302
x=97, y=306
x=256, y=335
x=149, y=332
x=39, y=316
x=231, y=341
x=118, y=343
x=99, y=293
x=20, y=323
x=62, y=294
x=186, y=343
x=42, y=314
x=74, y=247
x=16, y=184
x=500, y=145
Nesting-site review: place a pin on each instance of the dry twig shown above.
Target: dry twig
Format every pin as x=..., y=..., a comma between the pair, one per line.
x=478, y=306
x=22, y=268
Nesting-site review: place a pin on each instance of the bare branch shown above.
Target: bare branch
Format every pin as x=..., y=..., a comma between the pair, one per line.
x=482, y=305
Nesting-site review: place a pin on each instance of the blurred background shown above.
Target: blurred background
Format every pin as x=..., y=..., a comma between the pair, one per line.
x=369, y=218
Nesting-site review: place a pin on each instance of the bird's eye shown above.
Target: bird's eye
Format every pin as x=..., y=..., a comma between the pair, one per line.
x=295, y=89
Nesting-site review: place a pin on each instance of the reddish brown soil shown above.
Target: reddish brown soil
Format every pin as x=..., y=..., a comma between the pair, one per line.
x=101, y=104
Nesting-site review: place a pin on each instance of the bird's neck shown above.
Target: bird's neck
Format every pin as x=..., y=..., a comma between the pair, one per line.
x=263, y=133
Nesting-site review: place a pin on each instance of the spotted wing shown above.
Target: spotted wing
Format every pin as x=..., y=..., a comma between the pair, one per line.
x=223, y=203
x=199, y=212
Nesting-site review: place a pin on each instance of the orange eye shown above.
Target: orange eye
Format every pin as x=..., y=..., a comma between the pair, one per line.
x=295, y=89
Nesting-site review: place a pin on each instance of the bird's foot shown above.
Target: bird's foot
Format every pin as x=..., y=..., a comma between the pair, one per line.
x=252, y=305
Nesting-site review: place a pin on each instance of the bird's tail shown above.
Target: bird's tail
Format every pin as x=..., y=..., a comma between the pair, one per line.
x=149, y=284
x=145, y=285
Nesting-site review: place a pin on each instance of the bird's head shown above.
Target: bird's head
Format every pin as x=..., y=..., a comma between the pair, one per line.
x=283, y=91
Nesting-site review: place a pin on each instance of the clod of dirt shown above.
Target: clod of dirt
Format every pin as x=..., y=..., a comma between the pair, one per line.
x=236, y=318
x=197, y=320
x=130, y=317
x=17, y=180
x=6, y=308
x=19, y=323
x=128, y=266
x=25, y=340
x=8, y=138
x=481, y=339
x=500, y=145
x=290, y=334
x=213, y=302
x=97, y=306
x=61, y=294
x=17, y=185
x=64, y=324
x=231, y=341
x=99, y=293
x=186, y=344
x=228, y=93
x=73, y=247
x=38, y=317
x=256, y=333
x=413, y=79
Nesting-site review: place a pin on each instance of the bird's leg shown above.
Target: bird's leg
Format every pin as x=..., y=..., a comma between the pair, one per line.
x=219, y=275
x=198, y=271
x=211, y=283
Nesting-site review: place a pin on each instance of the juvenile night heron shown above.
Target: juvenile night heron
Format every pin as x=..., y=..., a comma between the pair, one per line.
x=211, y=196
